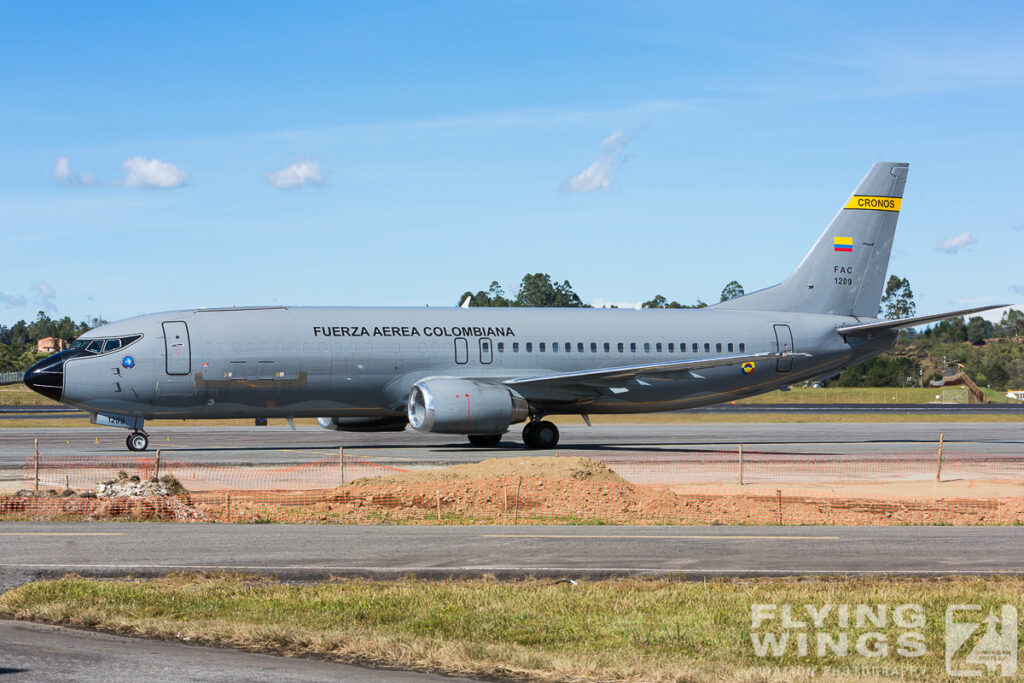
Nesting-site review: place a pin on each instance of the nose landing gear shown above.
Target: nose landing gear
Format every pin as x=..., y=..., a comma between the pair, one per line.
x=137, y=441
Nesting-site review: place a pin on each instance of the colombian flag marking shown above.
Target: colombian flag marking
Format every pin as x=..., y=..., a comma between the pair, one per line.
x=842, y=243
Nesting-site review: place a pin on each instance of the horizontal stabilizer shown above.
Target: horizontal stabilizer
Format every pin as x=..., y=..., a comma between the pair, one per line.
x=869, y=329
x=663, y=368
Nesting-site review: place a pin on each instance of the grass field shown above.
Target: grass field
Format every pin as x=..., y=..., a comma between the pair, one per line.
x=622, y=629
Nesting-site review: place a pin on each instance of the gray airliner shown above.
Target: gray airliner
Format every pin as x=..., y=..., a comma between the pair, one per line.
x=476, y=371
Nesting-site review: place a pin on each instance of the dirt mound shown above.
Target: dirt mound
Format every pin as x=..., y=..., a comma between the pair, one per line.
x=536, y=467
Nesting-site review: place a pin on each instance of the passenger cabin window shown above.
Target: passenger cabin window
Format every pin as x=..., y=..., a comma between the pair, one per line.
x=718, y=347
x=501, y=347
x=568, y=347
x=730, y=347
x=671, y=347
x=695, y=347
x=707, y=347
x=743, y=347
x=632, y=347
x=515, y=347
x=529, y=347
x=486, y=346
x=607, y=347
x=554, y=346
x=657, y=347
x=593, y=347
x=541, y=348
x=579, y=347
x=647, y=347
x=621, y=347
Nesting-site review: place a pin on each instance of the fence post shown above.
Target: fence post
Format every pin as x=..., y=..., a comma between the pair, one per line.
x=67, y=481
x=341, y=458
x=156, y=466
x=437, y=497
x=37, y=466
x=778, y=498
x=741, y=464
x=504, y=497
x=518, y=486
x=938, y=466
x=227, y=507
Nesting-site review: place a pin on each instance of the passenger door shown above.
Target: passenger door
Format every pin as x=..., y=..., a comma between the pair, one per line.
x=461, y=350
x=177, y=348
x=486, y=351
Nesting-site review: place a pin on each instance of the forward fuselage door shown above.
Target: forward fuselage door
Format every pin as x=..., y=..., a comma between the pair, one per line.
x=486, y=351
x=784, y=344
x=177, y=347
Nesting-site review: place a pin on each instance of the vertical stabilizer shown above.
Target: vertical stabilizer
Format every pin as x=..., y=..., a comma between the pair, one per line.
x=844, y=272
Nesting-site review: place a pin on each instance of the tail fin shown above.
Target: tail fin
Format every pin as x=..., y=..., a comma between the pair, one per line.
x=844, y=272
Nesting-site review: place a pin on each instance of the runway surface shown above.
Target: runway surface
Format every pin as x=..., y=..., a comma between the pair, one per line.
x=38, y=652
x=314, y=552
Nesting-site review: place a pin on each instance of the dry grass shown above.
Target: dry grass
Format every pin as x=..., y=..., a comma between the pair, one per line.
x=624, y=629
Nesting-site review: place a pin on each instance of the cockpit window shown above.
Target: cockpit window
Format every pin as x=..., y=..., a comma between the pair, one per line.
x=98, y=346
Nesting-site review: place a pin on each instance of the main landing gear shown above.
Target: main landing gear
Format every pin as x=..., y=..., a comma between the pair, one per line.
x=137, y=441
x=540, y=435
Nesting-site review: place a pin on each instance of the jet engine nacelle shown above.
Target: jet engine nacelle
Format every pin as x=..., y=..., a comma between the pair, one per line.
x=363, y=424
x=463, y=406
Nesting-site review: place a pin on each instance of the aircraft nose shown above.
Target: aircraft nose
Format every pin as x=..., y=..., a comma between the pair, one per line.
x=47, y=376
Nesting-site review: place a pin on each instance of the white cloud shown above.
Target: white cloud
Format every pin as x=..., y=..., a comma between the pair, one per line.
x=12, y=300
x=144, y=172
x=955, y=243
x=62, y=169
x=62, y=174
x=46, y=294
x=598, y=176
x=302, y=173
x=602, y=303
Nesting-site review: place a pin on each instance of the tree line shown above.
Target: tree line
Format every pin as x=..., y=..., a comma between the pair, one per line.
x=18, y=342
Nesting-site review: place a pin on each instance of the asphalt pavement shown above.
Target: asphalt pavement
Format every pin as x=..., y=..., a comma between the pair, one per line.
x=315, y=552
x=39, y=652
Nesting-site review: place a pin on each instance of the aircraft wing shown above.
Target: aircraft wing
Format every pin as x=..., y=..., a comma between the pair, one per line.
x=869, y=329
x=622, y=372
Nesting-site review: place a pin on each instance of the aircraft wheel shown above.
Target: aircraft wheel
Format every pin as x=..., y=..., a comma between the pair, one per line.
x=484, y=440
x=528, y=434
x=137, y=441
x=543, y=436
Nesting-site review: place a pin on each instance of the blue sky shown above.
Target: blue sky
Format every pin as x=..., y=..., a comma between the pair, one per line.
x=210, y=154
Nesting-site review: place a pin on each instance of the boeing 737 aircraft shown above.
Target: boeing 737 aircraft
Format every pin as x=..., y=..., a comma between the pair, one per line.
x=476, y=371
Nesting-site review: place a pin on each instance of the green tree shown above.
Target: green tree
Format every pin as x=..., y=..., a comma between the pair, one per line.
x=494, y=296
x=1012, y=324
x=898, y=300
x=538, y=290
x=978, y=330
x=732, y=290
x=660, y=302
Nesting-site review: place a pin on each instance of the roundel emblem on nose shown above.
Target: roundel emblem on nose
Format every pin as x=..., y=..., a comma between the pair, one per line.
x=748, y=368
x=128, y=362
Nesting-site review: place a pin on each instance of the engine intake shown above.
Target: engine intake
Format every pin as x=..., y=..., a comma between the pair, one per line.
x=463, y=406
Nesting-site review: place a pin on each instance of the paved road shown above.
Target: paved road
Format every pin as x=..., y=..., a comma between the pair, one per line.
x=37, y=652
x=312, y=552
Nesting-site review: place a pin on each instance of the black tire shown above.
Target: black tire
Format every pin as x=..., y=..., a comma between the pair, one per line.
x=137, y=441
x=528, y=434
x=485, y=440
x=543, y=436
